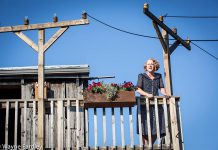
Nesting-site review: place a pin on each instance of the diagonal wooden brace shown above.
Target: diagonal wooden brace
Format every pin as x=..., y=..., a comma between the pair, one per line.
x=27, y=40
x=173, y=47
x=160, y=36
x=54, y=37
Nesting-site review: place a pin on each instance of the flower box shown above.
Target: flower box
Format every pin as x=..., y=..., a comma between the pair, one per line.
x=97, y=100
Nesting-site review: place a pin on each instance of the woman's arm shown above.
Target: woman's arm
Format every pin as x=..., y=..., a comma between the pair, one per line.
x=163, y=92
x=143, y=93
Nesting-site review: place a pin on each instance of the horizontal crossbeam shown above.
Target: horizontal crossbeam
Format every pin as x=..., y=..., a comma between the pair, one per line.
x=44, y=25
x=166, y=28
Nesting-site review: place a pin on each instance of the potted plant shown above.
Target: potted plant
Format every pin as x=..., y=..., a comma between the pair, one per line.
x=100, y=94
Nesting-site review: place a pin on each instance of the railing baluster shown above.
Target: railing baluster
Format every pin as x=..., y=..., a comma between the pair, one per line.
x=60, y=126
x=77, y=115
x=52, y=124
x=139, y=122
x=113, y=127
x=148, y=123
x=131, y=128
x=15, y=122
x=25, y=121
x=77, y=124
x=157, y=122
x=122, y=128
x=104, y=127
x=68, y=125
x=87, y=127
x=95, y=128
x=46, y=130
x=34, y=121
x=6, y=122
x=167, y=138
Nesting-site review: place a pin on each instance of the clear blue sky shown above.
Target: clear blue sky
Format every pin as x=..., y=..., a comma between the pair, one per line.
x=109, y=52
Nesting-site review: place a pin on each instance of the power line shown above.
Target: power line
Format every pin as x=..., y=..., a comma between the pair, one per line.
x=192, y=17
x=210, y=40
x=141, y=35
x=146, y=36
x=153, y=37
x=205, y=51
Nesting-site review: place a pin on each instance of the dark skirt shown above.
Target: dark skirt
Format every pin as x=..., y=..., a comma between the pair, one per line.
x=152, y=121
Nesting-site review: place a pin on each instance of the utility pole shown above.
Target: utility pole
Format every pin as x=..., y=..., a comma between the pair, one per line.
x=167, y=51
x=40, y=49
x=164, y=40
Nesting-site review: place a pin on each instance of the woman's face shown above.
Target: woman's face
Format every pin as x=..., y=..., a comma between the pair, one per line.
x=150, y=66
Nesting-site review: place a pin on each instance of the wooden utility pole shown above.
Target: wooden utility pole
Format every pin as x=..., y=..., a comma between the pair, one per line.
x=164, y=40
x=167, y=51
x=41, y=48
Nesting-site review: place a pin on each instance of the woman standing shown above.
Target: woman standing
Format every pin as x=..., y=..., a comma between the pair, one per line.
x=148, y=85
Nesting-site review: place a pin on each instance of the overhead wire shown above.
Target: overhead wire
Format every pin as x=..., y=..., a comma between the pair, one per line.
x=205, y=51
x=147, y=36
x=191, y=17
x=153, y=37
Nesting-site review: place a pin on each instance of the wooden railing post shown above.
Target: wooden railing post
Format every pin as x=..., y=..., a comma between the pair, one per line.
x=139, y=122
x=167, y=138
x=174, y=124
x=180, y=125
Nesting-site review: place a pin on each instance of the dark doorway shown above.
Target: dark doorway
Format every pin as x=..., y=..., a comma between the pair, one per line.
x=10, y=92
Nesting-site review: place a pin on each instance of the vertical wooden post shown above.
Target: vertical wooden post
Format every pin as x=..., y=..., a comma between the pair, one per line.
x=7, y=122
x=174, y=124
x=87, y=126
x=41, y=39
x=15, y=122
x=104, y=128
x=139, y=122
x=95, y=128
x=122, y=128
x=131, y=128
x=113, y=128
x=167, y=65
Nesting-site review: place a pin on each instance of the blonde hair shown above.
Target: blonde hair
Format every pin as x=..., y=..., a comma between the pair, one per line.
x=156, y=64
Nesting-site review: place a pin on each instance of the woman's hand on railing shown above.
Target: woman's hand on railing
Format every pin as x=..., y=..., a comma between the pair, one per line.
x=166, y=96
x=150, y=95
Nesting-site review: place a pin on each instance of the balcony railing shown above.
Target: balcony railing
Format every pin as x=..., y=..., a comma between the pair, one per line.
x=69, y=125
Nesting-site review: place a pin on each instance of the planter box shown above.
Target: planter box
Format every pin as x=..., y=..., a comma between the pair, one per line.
x=124, y=99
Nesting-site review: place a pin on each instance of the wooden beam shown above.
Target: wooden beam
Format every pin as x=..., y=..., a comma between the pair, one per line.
x=7, y=122
x=166, y=28
x=44, y=25
x=167, y=65
x=27, y=40
x=54, y=37
x=41, y=123
x=174, y=124
x=160, y=36
x=173, y=47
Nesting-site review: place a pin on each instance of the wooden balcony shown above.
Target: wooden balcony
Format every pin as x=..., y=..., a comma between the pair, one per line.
x=69, y=125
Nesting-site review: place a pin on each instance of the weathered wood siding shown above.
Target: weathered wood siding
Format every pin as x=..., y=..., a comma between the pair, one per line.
x=63, y=128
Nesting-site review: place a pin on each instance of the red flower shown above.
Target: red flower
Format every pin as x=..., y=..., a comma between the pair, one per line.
x=113, y=84
x=99, y=83
x=89, y=87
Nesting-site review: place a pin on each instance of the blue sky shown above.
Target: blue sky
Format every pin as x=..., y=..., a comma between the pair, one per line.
x=109, y=52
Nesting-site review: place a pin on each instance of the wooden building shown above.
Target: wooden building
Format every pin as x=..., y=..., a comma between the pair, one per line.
x=18, y=105
x=67, y=122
